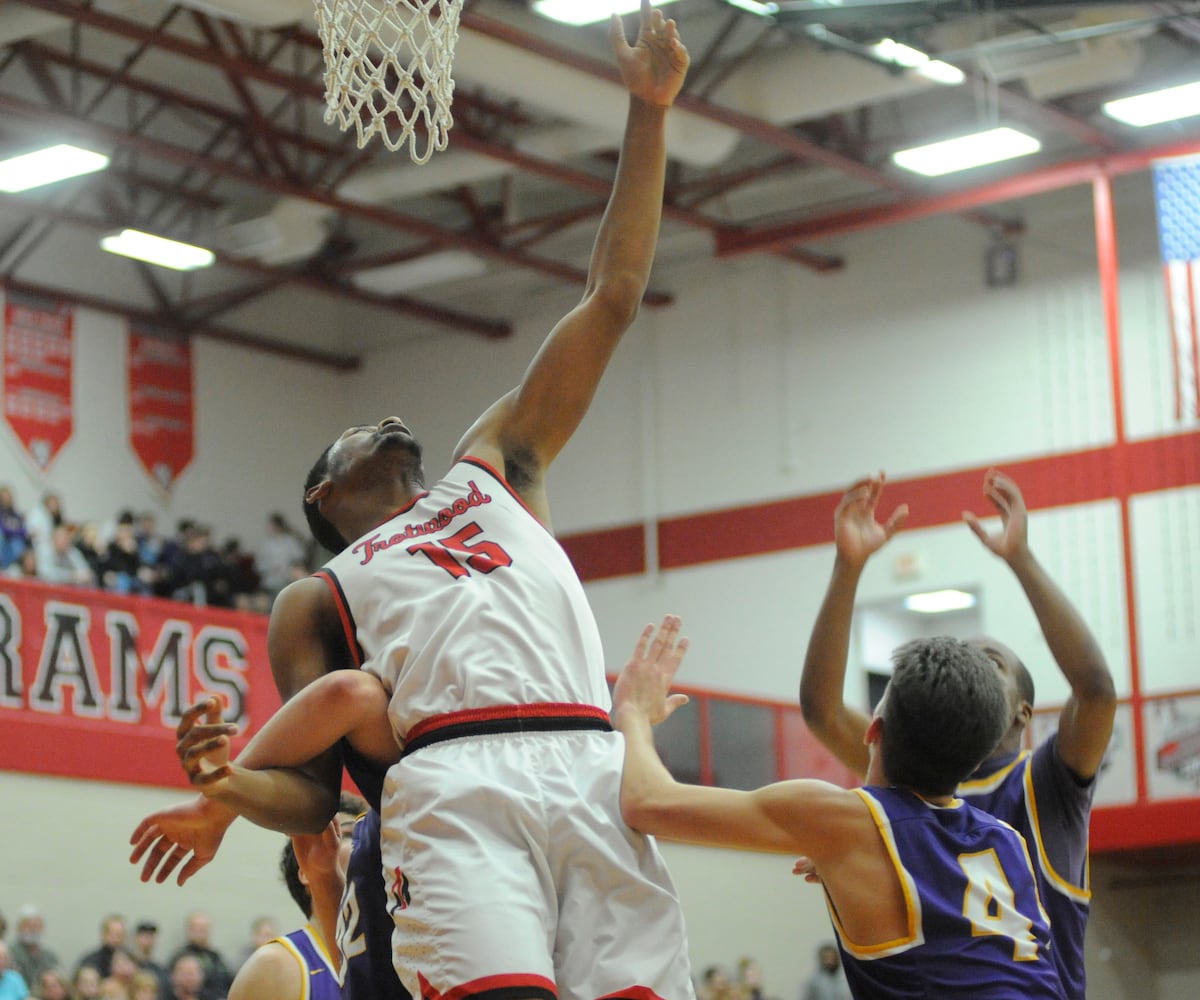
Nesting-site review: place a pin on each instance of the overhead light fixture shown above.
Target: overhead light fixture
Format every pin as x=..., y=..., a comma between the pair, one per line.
x=896, y=53
x=1157, y=106
x=589, y=11
x=432, y=269
x=965, y=152
x=157, y=250
x=46, y=166
x=936, y=602
x=755, y=7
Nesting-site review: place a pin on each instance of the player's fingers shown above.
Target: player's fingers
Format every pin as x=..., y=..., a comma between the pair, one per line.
x=189, y=717
x=204, y=778
x=616, y=32
x=899, y=516
x=170, y=863
x=187, y=871
x=153, y=859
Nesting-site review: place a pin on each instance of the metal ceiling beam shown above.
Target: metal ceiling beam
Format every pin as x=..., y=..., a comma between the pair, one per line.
x=773, y=238
x=154, y=321
x=748, y=125
x=396, y=304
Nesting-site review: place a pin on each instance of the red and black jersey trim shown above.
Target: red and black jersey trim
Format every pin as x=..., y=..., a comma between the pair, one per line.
x=491, y=470
x=513, y=986
x=349, y=629
x=546, y=717
x=633, y=993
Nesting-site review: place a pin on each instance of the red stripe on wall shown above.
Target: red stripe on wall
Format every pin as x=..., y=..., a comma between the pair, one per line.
x=609, y=552
x=1148, y=824
x=757, y=529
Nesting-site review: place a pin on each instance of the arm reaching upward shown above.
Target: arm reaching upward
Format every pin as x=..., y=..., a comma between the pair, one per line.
x=857, y=535
x=528, y=427
x=1085, y=723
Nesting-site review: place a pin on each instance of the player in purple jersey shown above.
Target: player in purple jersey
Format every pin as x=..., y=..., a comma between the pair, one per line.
x=1046, y=794
x=372, y=474
x=301, y=965
x=930, y=896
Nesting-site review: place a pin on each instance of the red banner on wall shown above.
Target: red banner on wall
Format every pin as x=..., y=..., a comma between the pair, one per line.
x=161, y=419
x=38, y=362
x=92, y=685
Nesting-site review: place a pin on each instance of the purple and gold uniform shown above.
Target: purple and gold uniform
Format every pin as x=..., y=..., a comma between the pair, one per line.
x=1036, y=793
x=316, y=970
x=364, y=925
x=976, y=927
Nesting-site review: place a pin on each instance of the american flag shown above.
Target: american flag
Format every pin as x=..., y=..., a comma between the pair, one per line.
x=1177, y=200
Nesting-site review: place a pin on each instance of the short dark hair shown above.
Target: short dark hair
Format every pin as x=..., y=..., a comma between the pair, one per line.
x=289, y=867
x=944, y=711
x=322, y=529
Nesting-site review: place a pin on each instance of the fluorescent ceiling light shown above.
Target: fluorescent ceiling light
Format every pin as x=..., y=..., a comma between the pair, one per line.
x=45, y=166
x=589, y=11
x=966, y=151
x=156, y=250
x=1156, y=106
x=755, y=7
x=936, y=602
x=898, y=54
x=432, y=269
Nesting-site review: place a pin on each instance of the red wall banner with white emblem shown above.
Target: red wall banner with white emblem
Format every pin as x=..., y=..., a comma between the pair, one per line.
x=161, y=416
x=38, y=376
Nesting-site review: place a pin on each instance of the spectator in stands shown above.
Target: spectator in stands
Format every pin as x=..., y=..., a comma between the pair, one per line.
x=279, y=548
x=86, y=983
x=25, y=568
x=124, y=968
x=261, y=931
x=87, y=541
x=244, y=581
x=150, y=542
x=14, y=538
x=12, y=986
x=198, y=574
x=145, y=986
x=145, y=940
x=187, y=977
x=197, y=931
x=112, y=937
x=44, y=518
x=62, y=562
x=122, y=570
x=52, y=984
x=29, y=955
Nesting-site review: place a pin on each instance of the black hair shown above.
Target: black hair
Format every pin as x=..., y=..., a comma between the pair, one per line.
x=944, y=711
x=289, y=867
x=322, y=529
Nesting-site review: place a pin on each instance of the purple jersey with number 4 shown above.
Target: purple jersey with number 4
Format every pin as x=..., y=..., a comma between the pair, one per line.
x=976, y=927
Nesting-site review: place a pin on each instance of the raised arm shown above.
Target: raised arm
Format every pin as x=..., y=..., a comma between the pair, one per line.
x=1086, y=721
x=857, y=536
x=811, y=817
x=529, y=426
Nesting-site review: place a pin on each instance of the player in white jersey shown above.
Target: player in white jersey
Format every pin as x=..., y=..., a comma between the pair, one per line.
x=510, y=869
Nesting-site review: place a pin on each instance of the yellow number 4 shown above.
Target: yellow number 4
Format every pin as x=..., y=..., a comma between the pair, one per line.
x=990, y=904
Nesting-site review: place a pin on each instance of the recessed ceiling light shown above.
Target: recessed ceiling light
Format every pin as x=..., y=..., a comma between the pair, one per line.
x=46, y=166
x=157, y=250
x=1156, y=106
x=936, y=602
x=589, y=11
x=966, y=151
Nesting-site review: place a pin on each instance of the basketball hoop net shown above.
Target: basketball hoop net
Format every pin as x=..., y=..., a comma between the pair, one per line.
x=387, y=70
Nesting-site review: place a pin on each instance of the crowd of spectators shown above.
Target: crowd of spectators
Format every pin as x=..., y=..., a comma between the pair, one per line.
x=117, y=969
x=129, y=556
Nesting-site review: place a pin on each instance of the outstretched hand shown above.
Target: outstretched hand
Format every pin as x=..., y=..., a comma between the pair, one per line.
x=646, y=680
x=855, y=530
x=166, y=838
x=1013, y=537
x=653, y=68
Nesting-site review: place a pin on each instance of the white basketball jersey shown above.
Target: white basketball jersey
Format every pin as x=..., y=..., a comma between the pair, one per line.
x=463, y=600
